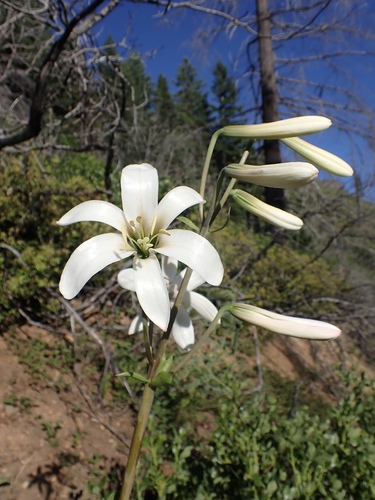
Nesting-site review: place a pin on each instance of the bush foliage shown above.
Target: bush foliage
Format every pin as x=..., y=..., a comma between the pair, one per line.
x=260, y=451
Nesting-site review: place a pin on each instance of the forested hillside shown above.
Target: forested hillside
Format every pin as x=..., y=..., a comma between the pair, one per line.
x=256, y=414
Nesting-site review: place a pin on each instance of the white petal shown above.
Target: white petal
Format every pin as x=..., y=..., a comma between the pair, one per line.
x=169, y=268
x=194, y=282
x=183, y=330
x=320, y=157
x=126, y=280
x=139, y=192
x=286, y=325
x=95, y=211
x=88, y=259
x=201, y=304
x=136, y=325
x=175, y=202
x=151, y=290
x=194, y=251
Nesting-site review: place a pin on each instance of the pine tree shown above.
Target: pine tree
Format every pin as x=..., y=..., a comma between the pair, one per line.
x=192, y=107
x=139, y=88
x=226, y=107
x=226, y=111
x=163, y=103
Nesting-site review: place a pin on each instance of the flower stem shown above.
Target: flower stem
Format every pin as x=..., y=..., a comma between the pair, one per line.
x=139, y=431
x=148, y=398
x=206, y=167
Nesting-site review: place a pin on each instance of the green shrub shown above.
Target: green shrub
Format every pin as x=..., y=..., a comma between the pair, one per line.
x=260, y=452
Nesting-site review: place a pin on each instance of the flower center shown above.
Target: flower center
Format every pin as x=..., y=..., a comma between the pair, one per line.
x=140, y=239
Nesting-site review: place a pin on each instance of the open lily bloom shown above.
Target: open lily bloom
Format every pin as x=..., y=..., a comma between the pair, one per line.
x=182, y=330
x=142, y=233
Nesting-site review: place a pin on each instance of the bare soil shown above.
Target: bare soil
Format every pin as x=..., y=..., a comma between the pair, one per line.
x=54, y=443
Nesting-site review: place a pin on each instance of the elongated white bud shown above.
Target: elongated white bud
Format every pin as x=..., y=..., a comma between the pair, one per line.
x=267, y=212
x=280, y=175
x=319, y=157
x=291, y=127
x=286, y=325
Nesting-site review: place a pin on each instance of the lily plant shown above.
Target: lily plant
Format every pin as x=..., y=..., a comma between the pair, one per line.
x=170, y=263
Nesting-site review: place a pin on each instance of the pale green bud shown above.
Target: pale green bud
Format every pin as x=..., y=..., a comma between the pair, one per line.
x=286, y=325
x=267, y=212
x=280, y=175
x=291, y=127
x=319, y=157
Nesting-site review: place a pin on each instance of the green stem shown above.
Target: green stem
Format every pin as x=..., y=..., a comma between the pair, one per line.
x=215, y=207
x=139, y=432
x=206, y=166
x=147, y=336
x=148, y=398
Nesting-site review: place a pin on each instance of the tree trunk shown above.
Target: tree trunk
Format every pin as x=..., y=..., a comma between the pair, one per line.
x=268, y=84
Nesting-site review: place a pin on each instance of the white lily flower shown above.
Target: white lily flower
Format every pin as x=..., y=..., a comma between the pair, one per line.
x=291, y=127
x=182, y=330
x=142, y=226
x=319, y=157
x=286, y=325
x=267, y=212
x=280, y=175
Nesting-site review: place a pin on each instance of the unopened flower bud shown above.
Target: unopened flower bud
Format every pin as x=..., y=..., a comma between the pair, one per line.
x=280, y=175
x=319, y=157
x=286, y=325
x=267, y=212
x=291, y=127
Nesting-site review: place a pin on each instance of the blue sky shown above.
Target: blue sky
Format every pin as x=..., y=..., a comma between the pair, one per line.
x=166, y=40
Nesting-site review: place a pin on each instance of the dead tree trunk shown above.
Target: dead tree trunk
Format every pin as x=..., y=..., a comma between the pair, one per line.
x=268, y=85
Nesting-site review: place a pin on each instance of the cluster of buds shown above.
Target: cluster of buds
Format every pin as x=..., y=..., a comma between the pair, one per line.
x=284, y=175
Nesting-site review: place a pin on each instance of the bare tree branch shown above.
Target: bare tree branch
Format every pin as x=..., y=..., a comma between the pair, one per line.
x=34, y=124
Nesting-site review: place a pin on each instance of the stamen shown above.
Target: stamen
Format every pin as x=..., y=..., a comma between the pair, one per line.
x=153, y=225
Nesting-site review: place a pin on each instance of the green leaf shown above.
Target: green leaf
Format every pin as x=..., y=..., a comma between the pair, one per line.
x=188, y=223
x=271, y=487
x=354, y=433
x=134, y=375
x=4, y=480
x=166, y=364
x=162, y=378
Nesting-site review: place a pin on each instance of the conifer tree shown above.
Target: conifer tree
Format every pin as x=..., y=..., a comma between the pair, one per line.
x=226, y=112
x=163, y=103
x=192, y=107
x=139, y=87
x=226, y=107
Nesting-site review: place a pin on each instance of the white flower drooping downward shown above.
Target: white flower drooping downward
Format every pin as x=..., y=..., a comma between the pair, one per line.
x=182, y=330
x=142, y=226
